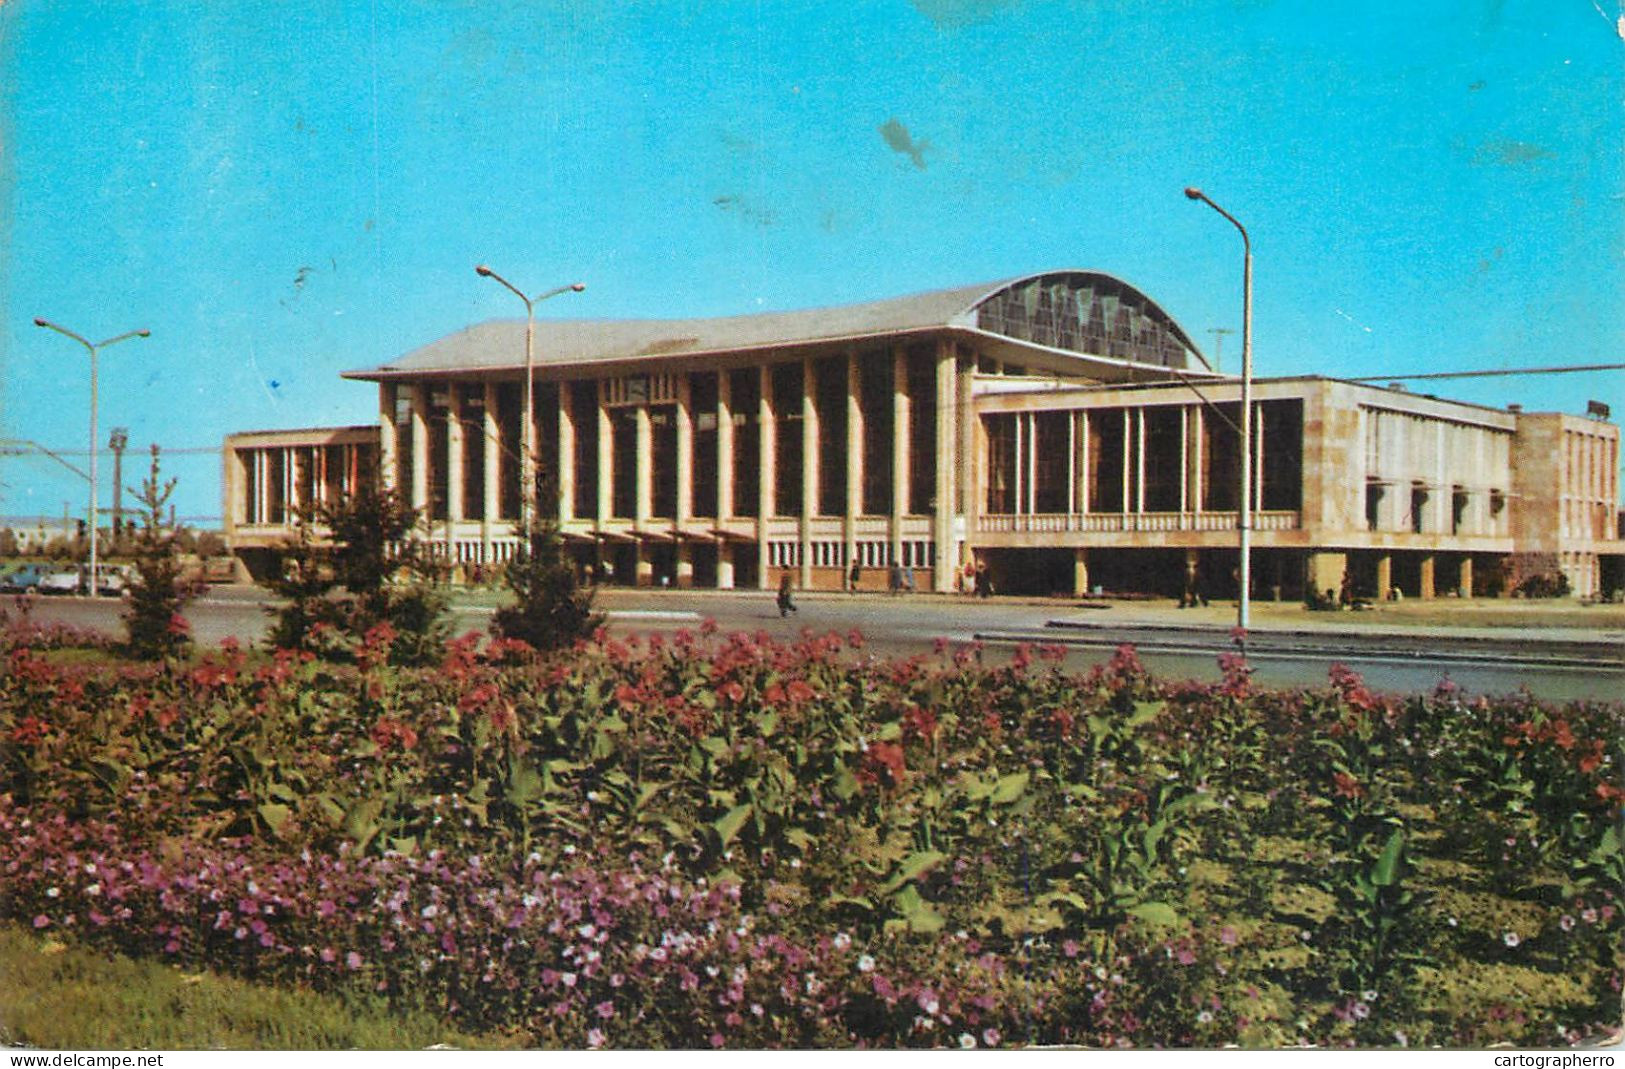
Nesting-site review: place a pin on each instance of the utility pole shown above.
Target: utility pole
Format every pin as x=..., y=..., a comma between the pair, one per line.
x=1218, y=343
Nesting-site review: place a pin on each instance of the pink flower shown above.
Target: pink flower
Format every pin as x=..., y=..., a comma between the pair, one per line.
x=595, y=1038
x=353, y=960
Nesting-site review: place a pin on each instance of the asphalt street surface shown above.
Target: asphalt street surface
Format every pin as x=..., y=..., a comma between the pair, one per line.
x=1552, y=663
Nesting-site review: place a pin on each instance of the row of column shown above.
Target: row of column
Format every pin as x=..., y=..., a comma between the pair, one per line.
x=951, y=396
x=1133, y=460
x=268, y=500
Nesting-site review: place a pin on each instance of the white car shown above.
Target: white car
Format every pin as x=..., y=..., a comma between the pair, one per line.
x=113, y=582
x=60, y=582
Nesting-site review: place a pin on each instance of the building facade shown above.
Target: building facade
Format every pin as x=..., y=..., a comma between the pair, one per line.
x=1059, y=429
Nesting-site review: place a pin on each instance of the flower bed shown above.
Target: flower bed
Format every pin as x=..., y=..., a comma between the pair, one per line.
x=723, y=840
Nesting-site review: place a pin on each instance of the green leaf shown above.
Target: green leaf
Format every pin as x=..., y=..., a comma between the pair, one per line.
x=525, y=786
x=1156, y=914
x=361, y=822
x=1010, y=787
x=729, y=824
x=917, y=911
x=1386, y=870
x=845, y=784
x=913, y=867
x=275, y=816
x=1144, y=713
x=1607, y=847
x=1070, y=898
x=767, y=724
x=975, y=787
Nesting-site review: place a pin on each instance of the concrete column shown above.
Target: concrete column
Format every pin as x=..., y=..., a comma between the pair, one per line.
x=1019, y=429
x=854, y=457
x=1385, y=575
x=1080, y=572
x=1324, y=571
x=1425, y=580
x=725, y=462
x=1071, y=465
x=1258, y=458
x=606, y=456
x=767, y=438
x=685, y=564
x=420, y=446
x=1128, y=451
x=644, y=472
x=1466, y=580
x=1198, y=433
x=900, y=458
x=968, y=479
x=1139, y=460
x=290, y=500
x=388, y=437
x=809, y=465
x=490, y=447
x=454, y=454
x=1083, y=461
x=567, y=453
x=725, y=566
x=1184, y=460
x=684, y=415
x=942, y=527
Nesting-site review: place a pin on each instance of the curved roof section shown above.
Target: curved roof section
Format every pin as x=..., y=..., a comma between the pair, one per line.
x=1075, y=312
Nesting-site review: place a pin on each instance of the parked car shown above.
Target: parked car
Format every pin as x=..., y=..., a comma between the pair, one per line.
x=23, y=578
x=65, y=581
x=113, y=580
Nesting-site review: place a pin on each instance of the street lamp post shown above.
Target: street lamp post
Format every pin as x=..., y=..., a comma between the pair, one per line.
x=527, y=469
x=93, y=348
x=1244, y=518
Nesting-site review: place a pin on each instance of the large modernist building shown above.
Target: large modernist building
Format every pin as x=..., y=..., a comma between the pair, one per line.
x=1059, y=428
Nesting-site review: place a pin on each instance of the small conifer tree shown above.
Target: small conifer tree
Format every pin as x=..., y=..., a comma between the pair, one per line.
x=551, y=610
x=153, y=622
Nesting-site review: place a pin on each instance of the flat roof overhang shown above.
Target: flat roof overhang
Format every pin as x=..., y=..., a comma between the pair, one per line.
x=1062, y=362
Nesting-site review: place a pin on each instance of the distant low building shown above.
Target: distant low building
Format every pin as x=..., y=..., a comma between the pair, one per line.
x=34, y=533
x=1059, y=430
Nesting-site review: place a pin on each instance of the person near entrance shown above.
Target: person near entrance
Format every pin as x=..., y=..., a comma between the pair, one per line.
x=785, y=603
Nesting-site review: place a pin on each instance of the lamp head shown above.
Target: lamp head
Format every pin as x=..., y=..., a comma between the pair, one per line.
x=38, y=322
x=482, y=270
x=1193, y=193
x=143, y=333
x=578, y=286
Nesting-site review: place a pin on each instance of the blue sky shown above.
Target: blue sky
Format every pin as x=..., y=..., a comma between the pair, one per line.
x=281, y=192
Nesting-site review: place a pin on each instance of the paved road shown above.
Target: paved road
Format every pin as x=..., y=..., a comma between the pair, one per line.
x=1286, y=648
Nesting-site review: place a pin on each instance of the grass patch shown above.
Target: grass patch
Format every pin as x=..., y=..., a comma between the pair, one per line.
x=58, y=996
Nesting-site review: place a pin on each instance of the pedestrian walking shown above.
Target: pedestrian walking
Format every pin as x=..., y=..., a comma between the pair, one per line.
x=908, y=578
x=984, y=586
x=894, y=579
x=854, y=576
x=786, y=605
